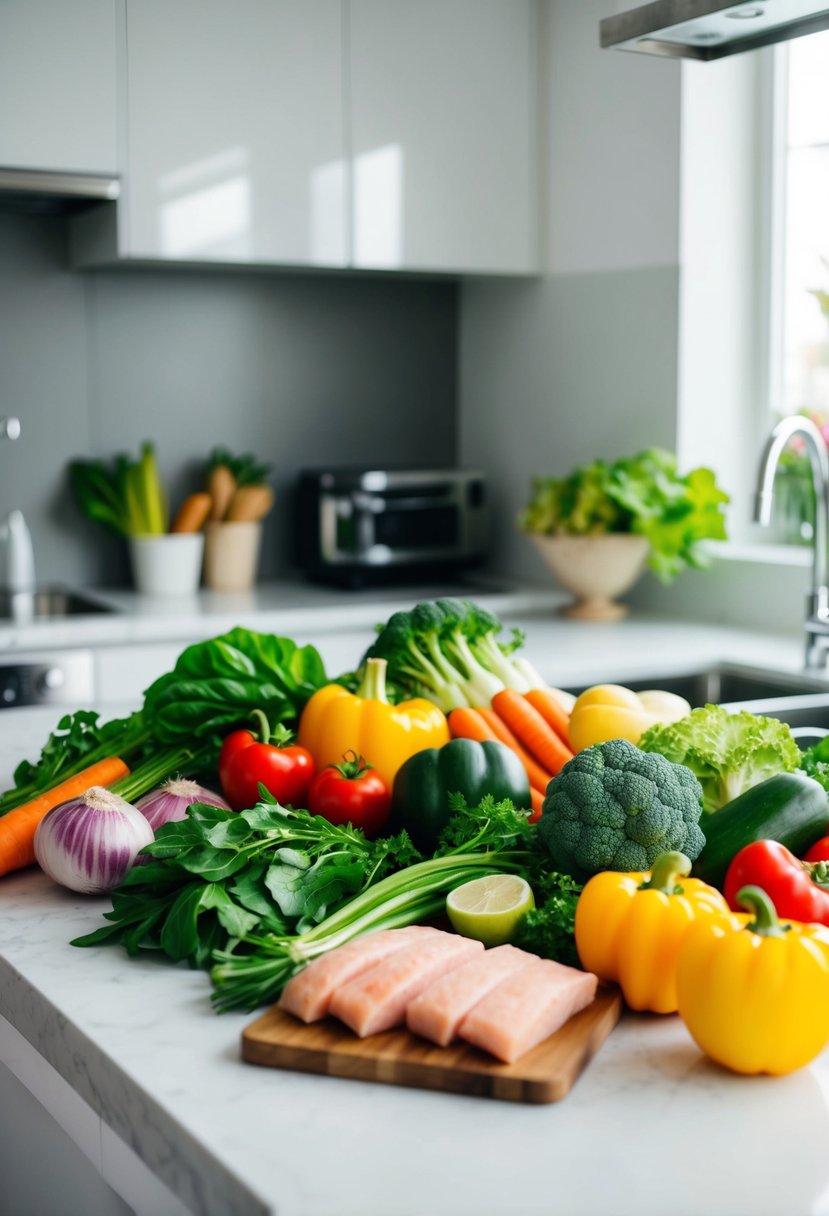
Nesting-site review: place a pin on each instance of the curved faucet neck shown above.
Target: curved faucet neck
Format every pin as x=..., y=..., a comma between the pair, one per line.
x=780, y=436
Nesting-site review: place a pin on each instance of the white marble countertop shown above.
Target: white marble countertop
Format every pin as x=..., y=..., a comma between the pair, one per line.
x=650, y=1127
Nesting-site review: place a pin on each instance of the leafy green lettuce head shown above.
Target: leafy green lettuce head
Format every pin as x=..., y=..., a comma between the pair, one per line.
x=727, y=752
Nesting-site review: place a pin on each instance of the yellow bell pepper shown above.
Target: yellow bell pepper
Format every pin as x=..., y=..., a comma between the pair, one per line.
x=755, y=996
x=335, y=721
x=630, y=927
x=610, y=711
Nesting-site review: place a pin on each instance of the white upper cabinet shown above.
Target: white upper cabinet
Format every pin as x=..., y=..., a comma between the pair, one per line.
x=378, y=134
x=442, y=133
x=57, y=85
x=235, y=132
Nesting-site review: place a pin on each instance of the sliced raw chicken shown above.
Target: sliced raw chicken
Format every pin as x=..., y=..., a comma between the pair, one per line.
x=440, y=1009
x=377, y=999
x=527, y=1007
x=308, y=995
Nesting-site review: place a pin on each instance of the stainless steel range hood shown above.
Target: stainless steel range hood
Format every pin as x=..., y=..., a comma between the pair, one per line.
x=29, y=190
x=711, y=29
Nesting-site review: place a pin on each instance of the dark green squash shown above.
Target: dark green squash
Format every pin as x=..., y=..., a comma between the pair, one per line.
x=420, y=797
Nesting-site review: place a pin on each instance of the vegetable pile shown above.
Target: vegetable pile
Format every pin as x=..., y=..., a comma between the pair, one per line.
x=445, y=758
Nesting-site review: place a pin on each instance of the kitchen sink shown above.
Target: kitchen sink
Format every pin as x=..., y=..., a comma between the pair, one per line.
x=48, y=603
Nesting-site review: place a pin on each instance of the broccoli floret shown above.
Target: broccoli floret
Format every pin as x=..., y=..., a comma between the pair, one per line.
x=614, y=807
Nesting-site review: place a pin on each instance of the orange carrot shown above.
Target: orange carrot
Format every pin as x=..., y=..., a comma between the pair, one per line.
x=466, y=723
x=551, y=710
x=539, y=777
x=538, y=802
x=17, y=827
x=540, y=740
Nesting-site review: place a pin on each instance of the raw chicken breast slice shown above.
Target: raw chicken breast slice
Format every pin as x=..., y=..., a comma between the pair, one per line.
x=526, y=1008
x=308, y=995
x=440, y=1008
x=377, y=999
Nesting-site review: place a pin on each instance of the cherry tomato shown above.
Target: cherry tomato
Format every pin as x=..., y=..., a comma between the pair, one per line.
x=352, y=792
x=285, y=770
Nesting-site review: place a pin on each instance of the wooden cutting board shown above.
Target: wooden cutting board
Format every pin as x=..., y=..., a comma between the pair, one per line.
x=545, y=1074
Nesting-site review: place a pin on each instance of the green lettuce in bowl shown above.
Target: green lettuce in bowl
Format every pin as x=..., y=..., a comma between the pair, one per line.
x=642, y=495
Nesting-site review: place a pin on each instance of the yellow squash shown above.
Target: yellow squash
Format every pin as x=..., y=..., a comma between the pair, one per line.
x=630, y=928
x=755, y=996
x=335, y=721
x=611, y=711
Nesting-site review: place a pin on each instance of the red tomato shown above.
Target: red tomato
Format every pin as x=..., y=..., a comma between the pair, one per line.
x=244, y=763
x=819, y=851
x=351, y=792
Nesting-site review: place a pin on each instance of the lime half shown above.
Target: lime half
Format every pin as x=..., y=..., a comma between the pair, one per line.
x=490, y=909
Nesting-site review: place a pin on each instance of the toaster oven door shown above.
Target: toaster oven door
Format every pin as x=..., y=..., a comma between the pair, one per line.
x=405, y=527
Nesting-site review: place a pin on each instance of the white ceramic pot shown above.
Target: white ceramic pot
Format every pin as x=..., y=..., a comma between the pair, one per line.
x=231, y=555
x=167, y=566
x=595, y=569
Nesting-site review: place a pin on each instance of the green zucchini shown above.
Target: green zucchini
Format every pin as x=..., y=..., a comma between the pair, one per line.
x=790, y=807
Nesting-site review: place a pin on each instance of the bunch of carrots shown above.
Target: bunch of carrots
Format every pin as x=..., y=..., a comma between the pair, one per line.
x=533, y=724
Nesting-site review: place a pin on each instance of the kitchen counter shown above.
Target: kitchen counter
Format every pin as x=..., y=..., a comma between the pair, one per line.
x=650, y=1127
x=291, y=607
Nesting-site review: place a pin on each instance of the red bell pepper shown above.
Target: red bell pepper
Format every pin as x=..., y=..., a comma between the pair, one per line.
x=246, y=762
x=798, y=890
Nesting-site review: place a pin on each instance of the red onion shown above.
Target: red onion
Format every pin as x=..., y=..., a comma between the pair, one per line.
x=171, y=800
x=89, y=843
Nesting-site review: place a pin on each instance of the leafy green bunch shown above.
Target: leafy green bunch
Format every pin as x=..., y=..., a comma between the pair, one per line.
x=642, y=494
x=122, y=494
x=218, y=876
x=246, y=468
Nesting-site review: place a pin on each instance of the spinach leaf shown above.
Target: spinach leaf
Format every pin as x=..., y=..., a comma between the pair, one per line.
x=216, y=684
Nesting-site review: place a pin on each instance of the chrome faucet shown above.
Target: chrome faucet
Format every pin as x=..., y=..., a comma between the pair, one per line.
x=17, y=562
x=817, y=601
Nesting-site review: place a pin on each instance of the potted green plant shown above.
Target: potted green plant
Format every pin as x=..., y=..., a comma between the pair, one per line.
x=598, y=527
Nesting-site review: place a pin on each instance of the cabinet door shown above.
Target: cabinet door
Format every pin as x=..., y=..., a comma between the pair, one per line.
x=442, y=134
x=57, y=85
x=235, y=131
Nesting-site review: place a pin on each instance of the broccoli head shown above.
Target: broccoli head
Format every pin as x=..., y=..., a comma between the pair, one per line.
x=614, y=807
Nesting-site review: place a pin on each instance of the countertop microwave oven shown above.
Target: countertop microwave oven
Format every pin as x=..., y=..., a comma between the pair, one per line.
x=358, y=526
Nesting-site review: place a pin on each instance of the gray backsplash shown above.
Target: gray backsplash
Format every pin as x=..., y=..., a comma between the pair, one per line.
x=301, y=369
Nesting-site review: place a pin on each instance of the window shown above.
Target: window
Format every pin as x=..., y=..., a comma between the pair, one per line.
x=800, y=316
x=805, y=279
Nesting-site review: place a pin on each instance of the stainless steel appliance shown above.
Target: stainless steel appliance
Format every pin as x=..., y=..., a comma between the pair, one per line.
x=368, y=525
x=57, y=678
